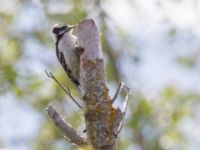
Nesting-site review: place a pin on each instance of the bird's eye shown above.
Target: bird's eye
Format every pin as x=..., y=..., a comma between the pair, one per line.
x=55, y=30
x=63, y=28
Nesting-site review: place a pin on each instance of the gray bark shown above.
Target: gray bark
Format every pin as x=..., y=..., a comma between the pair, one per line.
x=101, y=118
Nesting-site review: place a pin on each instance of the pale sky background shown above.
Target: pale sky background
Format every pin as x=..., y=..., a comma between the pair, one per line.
x=148, y=22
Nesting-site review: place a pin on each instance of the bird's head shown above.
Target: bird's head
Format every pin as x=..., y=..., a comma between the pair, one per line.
x=60, y=29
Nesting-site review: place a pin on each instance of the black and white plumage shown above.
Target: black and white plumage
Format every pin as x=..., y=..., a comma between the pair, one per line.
x=66, y=51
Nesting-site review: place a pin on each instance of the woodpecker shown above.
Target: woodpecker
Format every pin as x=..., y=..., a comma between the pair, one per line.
x=65, y=43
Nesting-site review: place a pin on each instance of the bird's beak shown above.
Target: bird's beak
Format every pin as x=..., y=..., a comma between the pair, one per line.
x=71, y=27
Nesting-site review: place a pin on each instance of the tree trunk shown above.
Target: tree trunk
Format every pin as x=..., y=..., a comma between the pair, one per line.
x=101, y=118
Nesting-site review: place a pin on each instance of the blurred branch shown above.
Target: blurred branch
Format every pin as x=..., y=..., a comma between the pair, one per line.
x=107, y=47
x=69, y=132
x=67, y=91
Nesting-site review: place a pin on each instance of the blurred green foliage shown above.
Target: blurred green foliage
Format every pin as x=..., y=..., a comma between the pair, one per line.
x=151, y=124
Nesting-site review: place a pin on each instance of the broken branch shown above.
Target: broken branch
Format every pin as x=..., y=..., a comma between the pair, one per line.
x=125, y=106
x=66, y=128
x=119, y=88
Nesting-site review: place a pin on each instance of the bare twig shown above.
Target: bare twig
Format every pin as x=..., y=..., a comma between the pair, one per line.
x=125, y=104
x=119, y=88
x=66, y=90
x=69, y=132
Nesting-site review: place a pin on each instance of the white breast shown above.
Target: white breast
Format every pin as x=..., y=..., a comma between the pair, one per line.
x=67, y=46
